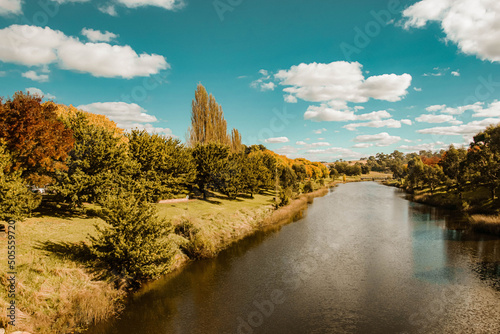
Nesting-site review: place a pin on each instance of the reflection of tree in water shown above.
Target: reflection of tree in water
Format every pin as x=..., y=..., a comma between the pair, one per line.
x=445, y=246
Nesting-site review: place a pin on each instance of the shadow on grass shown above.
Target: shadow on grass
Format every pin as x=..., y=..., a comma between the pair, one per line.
x=78, y=252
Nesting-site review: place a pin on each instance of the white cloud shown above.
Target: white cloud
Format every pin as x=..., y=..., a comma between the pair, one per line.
x=417, y=89
x=374, y=116
x=461, y=130
x=455, y=73
x=35, y=76
x=126, y=115
x=325, y=113
x=265, y=83
x=406, y=121
x=10, y=7
x=36, y=46
x=98, y=36
x=300, y=142
x=37, y=91
x=342, y=82
x=319, y=131
x=108, y=9
x=319, y=144
x=471, y=24
x=390, y=123
x=290, y=98
x=339, y=151
x=436, y=107
x=423, y=147
x=381, y=139
x=493, y=110
x=267, y=86
x=427, y=118
x=455, y=111
x=287, y=150
x=277, y=140
x=166, y=4
x=362, y=145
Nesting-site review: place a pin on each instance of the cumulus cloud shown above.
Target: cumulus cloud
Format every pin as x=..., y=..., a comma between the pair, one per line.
x=319, y=131
x=417, y=89
x=36, y=46
x=300, y=142
x=424, y=147
x=471, y=24
x=380, y=139
x=389, y=123
x=427, y=118
x=126, y=115
x=166, y=4
x=277, y=140
x=35, y=76
x=455, y=73
x=406, y=121
x=108, y=9
x=455, y=111
x=37, y=91
x=287, y=150
x=341, y=81
x=98, y=36
x=339, y=152
x=362, y=145
x=326, y=113
x=493, y=110
x=264, y=83
x=290, y=98
x=8, y=7
x=468, y=129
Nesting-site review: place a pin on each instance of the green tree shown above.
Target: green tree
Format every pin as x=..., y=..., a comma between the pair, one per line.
x=254, y=173
x=209, y=159
x=16, y=200
x=415, y=172
x=207, y=120
x=166, y=167
x=135, y=241
x=433, y=176
x=98, y=163
x=451, y=160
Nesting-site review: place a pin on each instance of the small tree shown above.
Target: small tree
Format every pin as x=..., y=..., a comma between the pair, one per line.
x=135, y=242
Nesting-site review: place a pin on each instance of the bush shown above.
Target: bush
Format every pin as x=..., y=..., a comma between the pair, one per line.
x=308, y=187
x=136, y=242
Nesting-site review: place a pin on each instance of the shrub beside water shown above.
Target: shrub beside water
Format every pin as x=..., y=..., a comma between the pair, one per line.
x=136, y=243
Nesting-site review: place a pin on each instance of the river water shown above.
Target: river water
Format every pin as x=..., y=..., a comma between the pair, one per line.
x=363, y=260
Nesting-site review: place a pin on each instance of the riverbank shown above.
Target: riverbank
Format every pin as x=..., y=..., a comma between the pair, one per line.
x=58, y=291
x=475, y=201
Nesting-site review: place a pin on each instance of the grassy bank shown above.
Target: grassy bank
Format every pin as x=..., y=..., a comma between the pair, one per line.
x=475, y=201
x=57, y=291
x=486, y=223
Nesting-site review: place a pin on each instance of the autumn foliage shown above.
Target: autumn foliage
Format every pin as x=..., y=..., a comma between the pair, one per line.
x=38, y=142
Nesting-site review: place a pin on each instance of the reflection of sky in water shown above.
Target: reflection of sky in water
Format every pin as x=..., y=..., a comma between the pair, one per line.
x=430, y=258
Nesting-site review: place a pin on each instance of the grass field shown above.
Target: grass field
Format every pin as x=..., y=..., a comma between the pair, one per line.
x=58, y=293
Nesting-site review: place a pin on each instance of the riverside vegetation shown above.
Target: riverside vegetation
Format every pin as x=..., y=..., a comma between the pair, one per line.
x=465, y=179
x=98, y=232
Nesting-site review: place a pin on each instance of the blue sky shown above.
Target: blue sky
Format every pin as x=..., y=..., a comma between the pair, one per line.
x=317, y=79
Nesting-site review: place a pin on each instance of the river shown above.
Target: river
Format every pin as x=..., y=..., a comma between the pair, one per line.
x=363, y=260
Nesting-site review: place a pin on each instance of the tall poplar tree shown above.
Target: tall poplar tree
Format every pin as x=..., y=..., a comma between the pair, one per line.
x=207, y=120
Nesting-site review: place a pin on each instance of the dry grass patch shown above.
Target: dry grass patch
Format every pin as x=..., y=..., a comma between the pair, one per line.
x=486, y=223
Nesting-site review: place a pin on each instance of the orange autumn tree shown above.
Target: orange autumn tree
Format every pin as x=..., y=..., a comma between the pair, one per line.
x=37, y=141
